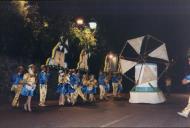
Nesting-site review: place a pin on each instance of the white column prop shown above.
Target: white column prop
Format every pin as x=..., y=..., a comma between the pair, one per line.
x=146, y=90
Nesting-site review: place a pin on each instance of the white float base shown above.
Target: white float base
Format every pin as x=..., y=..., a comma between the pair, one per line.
x=147, y=97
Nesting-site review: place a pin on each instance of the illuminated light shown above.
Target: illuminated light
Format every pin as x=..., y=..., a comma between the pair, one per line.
x=46, y=24
x=80, y=21
x=111, y=56
x=92, y=25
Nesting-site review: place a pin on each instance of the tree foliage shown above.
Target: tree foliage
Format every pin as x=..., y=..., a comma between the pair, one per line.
x=84, y=34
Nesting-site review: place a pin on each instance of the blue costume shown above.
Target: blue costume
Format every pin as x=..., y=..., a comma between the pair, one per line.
x=92, y=89
x=187, y=77
x=101, y=81
x=64, y=86
x=43, y=78
x=74, y=80
x=29, y=86
x=16, y=78
x=115, y=79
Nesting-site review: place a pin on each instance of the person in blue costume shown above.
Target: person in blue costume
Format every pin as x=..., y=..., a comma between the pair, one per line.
x=62, y=87
x=43, y=81
x=29, y=81
x=84, y=85
x=91, y=88
x=103, y=85
x=17, y=84
x=115, y=84
x=185, y=112
x=76, y=83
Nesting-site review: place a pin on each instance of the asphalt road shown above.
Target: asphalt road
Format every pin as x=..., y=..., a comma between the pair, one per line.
x=112, y=113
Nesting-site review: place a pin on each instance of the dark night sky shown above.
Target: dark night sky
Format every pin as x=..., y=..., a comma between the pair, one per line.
x=168, y=20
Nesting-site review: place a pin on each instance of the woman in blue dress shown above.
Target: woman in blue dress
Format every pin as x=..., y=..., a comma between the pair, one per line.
x=91, y=88
x=29, y=81
x=62, y=87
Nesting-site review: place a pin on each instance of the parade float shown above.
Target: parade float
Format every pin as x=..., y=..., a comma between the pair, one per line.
x=151, y=54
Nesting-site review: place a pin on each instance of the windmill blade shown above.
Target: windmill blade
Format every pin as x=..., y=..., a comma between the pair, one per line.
x=160, y=53
x=129, y=78
x=136, y=43
x=126, y=65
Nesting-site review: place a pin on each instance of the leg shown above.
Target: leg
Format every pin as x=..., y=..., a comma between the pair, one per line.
x=15, y=102
x=44, y=92
x=61, y=99
x=103, y=91
x=114, y=89
x=185, y=112
x=29, y=103
x=40, y=89
x=81, y=94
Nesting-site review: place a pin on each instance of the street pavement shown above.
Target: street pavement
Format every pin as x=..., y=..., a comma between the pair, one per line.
x=112, y=113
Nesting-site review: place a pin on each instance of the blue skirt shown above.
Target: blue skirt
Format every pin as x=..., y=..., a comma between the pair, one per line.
x=27, y=91
x=91, y=91
x=61, y=89
x=84, y=89
x=65, y=89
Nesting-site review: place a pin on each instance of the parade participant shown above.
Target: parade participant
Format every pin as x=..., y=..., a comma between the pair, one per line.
x=29, y=86
x=103, y=85
x=185, y=112
x=77, y=87
x=91, y=89
x=120, y=86
x=43, y=81
x=115, y=84
x=84, y=84
x=58, y=53
x=17, y=84
x=61, y=88
x=83, y=61
x=70, y=86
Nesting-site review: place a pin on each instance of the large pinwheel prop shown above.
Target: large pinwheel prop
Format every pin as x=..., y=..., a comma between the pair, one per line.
x=147, y=49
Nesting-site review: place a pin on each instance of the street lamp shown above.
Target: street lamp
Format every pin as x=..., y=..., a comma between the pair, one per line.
x=80, y=21
x=92, y=25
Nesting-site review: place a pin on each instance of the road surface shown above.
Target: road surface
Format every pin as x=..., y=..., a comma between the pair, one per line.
x=112, y=113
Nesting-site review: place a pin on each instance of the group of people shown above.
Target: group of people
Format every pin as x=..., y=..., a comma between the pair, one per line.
x=71, y=85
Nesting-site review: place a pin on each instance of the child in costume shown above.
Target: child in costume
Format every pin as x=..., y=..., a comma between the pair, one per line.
x=84, y=85
x=29, y=86
x=61, y=88
x=91, y=89
x=64, y=88
x=83, y=61
x=43, y=80
x=17, y=84
x=75, y=82
x=185, y=112
x=103, y=85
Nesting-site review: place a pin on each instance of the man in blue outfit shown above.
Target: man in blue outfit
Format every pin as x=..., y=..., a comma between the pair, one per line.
x=17, y=83
x=103, y=85
x=185, y=112
x=43, y=80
